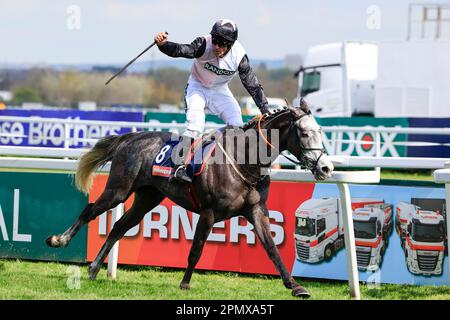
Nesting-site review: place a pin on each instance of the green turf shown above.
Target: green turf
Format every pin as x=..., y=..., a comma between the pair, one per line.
x=420, y=175
x=49, y=280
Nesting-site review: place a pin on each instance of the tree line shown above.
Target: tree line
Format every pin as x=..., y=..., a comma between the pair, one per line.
x=160, y=86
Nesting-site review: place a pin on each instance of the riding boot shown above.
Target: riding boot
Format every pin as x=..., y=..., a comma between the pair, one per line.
x=180, y=166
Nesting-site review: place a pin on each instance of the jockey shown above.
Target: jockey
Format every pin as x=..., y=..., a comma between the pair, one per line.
x=218, y=56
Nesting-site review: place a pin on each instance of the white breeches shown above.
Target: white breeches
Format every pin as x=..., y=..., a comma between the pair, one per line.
x=219, y=100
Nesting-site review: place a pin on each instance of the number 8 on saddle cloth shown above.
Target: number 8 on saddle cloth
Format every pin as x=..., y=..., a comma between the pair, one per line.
x=199, y=153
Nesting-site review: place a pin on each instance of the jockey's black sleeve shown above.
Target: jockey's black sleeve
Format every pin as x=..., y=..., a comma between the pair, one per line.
x=251, y=83
x=193, y=50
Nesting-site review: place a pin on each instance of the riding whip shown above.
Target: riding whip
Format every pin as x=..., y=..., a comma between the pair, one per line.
x=126, y=66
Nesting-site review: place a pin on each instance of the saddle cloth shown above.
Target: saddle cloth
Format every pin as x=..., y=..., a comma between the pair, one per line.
x=199, y=153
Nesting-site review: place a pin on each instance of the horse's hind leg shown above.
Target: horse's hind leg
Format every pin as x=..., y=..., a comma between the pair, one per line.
x=204, y=226
x=145, y=199
x=117, y=190
x=63, y=240
x=259, y=218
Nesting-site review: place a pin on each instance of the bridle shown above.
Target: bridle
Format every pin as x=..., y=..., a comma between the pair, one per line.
x=304, y=163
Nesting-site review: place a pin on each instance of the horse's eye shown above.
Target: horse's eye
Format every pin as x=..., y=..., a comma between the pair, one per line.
x=305, y=135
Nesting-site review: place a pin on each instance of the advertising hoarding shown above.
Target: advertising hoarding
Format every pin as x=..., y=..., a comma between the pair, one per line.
x=38, y=134
x=164, y=237
x=34, y=206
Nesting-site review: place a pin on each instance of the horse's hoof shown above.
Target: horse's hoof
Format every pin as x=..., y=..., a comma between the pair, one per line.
x=57, y=241
x=300, y=292
x=53, y=242
x=48, y=241
x=184, y=286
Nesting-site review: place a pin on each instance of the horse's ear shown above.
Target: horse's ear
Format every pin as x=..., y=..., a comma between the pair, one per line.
x=293, y=110
x=304, y=106
x=287, y=102
x=290, y=107
x=296, y=110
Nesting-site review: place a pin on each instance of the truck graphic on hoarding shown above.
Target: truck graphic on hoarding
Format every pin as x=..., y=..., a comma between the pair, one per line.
x=421, y=228
x=373, y=225
x=319, y=232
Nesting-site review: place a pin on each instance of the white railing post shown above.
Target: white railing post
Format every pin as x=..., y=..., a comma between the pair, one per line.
x=378, y=148
x=349, y=236
x=113, y=256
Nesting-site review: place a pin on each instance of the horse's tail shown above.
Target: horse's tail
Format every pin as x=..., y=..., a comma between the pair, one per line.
x=98, y=156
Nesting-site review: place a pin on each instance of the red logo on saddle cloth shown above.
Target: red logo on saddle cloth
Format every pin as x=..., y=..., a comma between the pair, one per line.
x=161, y=171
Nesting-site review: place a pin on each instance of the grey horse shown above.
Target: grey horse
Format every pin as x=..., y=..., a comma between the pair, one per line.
x=220, y=192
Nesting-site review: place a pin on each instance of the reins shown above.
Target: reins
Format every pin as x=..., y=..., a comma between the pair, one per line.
x=269, y=144
x=261, y=133
x=266, y=140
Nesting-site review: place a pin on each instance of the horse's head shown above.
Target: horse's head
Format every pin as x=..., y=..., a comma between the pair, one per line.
x=308, y=147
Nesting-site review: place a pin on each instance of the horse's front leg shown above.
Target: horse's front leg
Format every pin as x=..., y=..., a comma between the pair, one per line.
x=259, y=218
x=145, y=199
x=204, y=226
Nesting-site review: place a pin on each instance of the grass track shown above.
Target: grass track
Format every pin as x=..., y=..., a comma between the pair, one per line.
x=49, y=281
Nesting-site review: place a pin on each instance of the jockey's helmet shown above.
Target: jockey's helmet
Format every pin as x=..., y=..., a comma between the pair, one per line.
x=224, y=32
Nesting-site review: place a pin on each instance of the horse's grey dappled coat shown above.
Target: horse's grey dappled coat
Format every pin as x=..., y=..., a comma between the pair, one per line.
x=219, y=193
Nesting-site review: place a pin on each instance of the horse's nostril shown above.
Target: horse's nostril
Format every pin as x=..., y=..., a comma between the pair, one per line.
x=325, y=169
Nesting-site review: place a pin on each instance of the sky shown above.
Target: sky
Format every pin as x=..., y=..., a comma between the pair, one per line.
x=100, y=31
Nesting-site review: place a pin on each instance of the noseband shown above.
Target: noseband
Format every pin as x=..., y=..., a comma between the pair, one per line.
x=313, y=168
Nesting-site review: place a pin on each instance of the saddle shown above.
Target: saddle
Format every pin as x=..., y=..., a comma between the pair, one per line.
x=199, y=153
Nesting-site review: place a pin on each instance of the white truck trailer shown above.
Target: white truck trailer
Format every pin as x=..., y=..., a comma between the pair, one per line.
x=381, y=79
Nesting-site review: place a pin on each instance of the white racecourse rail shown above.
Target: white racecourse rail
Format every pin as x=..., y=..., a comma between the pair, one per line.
x=330, y=143
x=39, y=158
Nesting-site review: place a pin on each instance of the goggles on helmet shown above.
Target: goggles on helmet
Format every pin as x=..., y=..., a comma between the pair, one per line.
x=221, y=42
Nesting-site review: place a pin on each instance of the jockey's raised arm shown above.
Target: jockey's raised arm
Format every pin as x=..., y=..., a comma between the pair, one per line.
x=251, y=83
x=218, y=57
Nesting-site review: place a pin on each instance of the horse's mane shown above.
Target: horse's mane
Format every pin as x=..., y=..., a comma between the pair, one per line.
x=252, y=123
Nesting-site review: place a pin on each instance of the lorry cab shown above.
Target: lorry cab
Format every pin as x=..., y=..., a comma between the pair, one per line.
x=317, y=228
x=423, y=239
x=373, y=225
x=426, y=227
x=366, y=225
x=425, y=243
x=338, y=79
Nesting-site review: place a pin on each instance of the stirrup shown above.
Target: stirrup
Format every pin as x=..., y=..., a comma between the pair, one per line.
x=180, y=174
